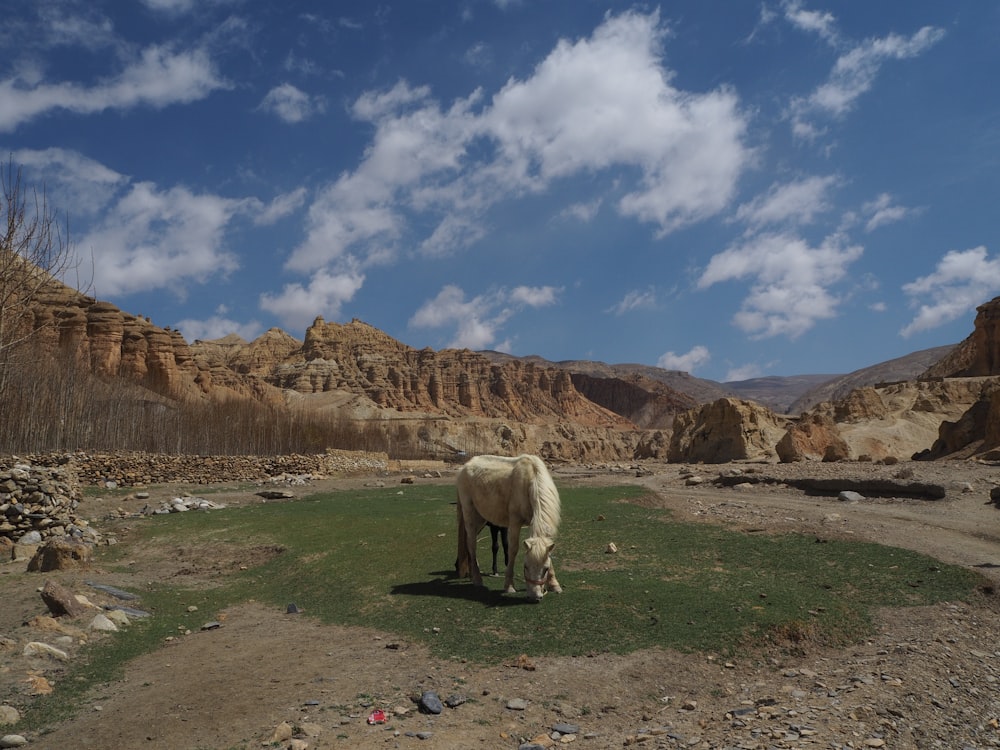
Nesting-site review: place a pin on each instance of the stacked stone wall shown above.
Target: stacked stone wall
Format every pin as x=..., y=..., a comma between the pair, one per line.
x=39, y=494
x=39, y=502
x=133, y=469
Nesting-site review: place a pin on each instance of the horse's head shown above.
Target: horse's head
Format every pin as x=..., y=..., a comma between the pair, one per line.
x=537, y=565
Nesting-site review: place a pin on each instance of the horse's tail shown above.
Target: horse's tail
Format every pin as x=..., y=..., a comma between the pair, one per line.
x=546, y=510
x=462, y=566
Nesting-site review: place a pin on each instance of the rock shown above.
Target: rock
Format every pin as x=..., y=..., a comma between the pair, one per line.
x=8, y=715
x=454, y=701
x=118, y=617
x=727, y=429
x=60, y=554
x=429, y=703
x=37, y=648
x=102, y=624
x=12, y=740
x=565, y=728
x=61, y=601
x=282, y=733
x=812, y=438
x=849, y=496
x=517, y=704
x=276, y=494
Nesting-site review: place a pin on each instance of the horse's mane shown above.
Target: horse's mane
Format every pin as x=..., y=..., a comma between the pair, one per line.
x=547, y=510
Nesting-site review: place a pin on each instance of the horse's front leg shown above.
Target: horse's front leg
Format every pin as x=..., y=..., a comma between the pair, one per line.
x=513, y=542
x=550, y=582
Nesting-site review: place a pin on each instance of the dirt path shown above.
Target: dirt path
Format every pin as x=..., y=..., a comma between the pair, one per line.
x=930, y=677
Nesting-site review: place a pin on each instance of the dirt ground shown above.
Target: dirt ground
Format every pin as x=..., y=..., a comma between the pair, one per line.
x=929, y=678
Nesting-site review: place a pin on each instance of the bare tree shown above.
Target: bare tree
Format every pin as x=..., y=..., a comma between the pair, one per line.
x=34, y=250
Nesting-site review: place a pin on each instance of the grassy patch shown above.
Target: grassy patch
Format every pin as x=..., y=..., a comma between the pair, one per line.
x=384, y=558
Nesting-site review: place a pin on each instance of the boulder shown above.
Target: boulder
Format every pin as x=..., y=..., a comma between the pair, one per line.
x=60, y=554
x=728, y=429
x=61, y=601
x=813, y=438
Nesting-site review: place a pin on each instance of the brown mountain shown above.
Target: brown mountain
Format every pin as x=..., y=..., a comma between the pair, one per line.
x=909, y=367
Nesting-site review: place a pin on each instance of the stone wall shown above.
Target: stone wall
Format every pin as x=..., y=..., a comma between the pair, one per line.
x=39, y=502
x=39, y=494
x=131, y=469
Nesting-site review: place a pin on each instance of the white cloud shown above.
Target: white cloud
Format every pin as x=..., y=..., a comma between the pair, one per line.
x=478, y=321
x=791, y=287
x=297, y=305
x=160, y=239
x=217, y=327
x=696, y=357
x=584, y=212
x=795, y=202
x=819, y=22
x=290, y=103
x=279, y=208
x=962, y=281
x=157, y=78
x=598, y=103
x=535, y=296
x=854, y=74
x=634, y=300
x=743, y=372
x=73, y=182
x=882, y=211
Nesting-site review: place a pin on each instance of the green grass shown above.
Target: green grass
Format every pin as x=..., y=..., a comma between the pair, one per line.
x=383, y=558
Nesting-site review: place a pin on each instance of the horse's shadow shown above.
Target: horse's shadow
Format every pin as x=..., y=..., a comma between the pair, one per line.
x=447, y=586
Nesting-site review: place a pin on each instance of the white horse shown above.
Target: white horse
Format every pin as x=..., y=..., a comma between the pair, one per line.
x=510, y=492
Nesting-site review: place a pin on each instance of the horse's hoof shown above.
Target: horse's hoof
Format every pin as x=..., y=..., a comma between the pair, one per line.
x=556, y=590
x=510, y=590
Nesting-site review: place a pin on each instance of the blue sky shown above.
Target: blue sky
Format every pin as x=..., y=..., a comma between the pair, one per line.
x=730, y=188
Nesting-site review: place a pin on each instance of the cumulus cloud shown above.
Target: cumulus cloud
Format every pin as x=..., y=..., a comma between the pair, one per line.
x=216, y=327
x=855, y=70
x=635, y=299
x=821, y=23
x=160, y=239
x=280, y=207
x=883, y=210
x=298, y=305
x=478, y=321
x=290, y=103
x=791, y=281
x=743, y=372
x=70, y=179
x=963, y=280
x=158, y=77
x=689, y=362
x=796, y=202
x=432, y=172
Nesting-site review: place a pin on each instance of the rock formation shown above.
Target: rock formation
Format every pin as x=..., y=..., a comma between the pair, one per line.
x=725, y=430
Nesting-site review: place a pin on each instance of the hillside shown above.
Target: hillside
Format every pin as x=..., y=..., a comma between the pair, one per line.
x=908, y=367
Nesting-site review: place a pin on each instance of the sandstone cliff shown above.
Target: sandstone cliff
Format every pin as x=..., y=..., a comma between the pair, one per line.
x=726, y=430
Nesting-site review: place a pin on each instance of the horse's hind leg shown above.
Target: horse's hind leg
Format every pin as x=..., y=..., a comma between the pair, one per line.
x=498, y=534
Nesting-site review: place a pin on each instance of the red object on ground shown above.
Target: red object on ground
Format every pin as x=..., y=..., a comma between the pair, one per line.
x=377, y=716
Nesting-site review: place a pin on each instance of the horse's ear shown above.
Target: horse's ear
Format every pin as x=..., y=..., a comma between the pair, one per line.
x=551, y=547
x=526, y=545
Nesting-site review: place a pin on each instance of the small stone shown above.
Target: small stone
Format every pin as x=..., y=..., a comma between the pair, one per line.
x=430, y=703
x=849, y=496
x=13, y=740
x=8, y=715
x=102, y=624
x=282, y=733
x=565, y=728
x=517, y=704
x=454, y=701
x=37, y=648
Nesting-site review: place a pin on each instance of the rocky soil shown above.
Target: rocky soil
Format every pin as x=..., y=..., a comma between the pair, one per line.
x=927, y=679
